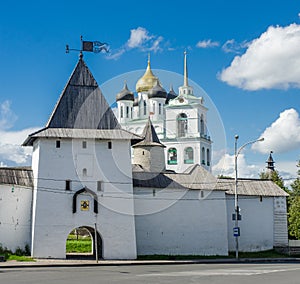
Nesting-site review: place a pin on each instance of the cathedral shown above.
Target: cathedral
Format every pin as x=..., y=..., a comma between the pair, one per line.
x=139, y=183
x=179, y=119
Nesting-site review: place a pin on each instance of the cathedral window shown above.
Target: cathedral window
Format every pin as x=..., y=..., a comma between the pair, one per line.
x=159, y=108
x=121, y=112
x=145, y=108
x=203, y=156
x=188, y=155
x=208, y=157
x=182, y=125
x=172, y=156
x=127, y=112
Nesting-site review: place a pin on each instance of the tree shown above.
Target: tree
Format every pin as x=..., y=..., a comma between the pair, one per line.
x=294, y=207
x=275, y=177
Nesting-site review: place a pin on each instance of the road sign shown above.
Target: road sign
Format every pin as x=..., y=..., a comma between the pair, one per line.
x=236, y=231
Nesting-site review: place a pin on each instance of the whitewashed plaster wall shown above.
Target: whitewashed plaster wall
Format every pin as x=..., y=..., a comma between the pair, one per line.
x=53, y=214
x=15, y=216
x=174, y=222
x=256, y=226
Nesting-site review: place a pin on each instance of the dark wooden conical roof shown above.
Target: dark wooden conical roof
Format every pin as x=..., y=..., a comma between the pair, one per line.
x=82, y=104
x=150, y=136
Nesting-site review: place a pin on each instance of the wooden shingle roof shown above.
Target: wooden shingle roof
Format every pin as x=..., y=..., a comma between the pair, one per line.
x=251, y=187
x=82, y=104
x=16, y=176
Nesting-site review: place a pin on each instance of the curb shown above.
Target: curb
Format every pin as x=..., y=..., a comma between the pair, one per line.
x=53, y=263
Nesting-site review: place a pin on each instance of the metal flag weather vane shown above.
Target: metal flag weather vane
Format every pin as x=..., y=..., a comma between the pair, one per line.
x=90, y=46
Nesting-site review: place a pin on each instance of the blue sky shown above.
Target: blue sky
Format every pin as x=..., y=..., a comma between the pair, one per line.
x=244, y=56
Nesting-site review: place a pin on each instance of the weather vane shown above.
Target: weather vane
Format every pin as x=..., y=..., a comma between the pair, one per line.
x=90, y=46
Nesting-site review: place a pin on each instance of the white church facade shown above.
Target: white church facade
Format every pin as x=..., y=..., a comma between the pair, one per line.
x=180, y=120
x=82, y=175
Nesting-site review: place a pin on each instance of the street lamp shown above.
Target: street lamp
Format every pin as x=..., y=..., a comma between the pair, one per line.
x=236, y=229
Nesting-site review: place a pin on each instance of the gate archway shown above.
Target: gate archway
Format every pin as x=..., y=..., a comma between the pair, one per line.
x=81, y=244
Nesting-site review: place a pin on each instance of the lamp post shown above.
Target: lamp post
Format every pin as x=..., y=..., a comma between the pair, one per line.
x=236, y=229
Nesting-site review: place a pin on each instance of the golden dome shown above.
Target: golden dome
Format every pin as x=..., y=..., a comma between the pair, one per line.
x=147, y=81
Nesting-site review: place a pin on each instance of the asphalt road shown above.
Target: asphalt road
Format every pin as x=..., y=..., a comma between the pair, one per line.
x=192, y=273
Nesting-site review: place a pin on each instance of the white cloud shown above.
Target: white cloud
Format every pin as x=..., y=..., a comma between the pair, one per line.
x=207, y=43
x=7, y=116
x=270, y=61
x=225, y=167
x=11, y=151
x=141, y=39
x=231, y=46
x=283, y=135
x=138, y=37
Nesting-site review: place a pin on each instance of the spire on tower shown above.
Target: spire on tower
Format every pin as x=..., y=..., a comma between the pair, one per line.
x=270, y=163
x=185, y=72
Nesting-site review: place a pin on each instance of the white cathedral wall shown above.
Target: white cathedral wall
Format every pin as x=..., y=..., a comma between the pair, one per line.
x=54, y=218
x=256, y=226
x=171, y=122
x=174, y=222
x=15, y=216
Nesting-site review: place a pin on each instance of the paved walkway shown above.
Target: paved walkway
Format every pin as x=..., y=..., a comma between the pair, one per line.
x=74, y=263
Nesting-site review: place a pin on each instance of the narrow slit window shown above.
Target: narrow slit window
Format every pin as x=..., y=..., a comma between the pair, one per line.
x=68, y=184
x=99, y=185
x=57, y=143
x=109, y=145
x=84, y=144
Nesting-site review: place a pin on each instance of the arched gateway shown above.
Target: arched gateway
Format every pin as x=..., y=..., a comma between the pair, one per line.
x=83, y=243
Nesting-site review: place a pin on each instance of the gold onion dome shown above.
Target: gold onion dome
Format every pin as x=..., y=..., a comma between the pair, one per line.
x=125, y=94
x=147, y=81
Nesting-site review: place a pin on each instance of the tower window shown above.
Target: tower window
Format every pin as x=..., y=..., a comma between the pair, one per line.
x=203, y=156
x=182, y=125
x=202, y=125
x=68, y=184
x=121, y=110
x=109, y=145
x=84, y=144
x=57, y=144
x=188, y=155
x=159, y=108
x=99, y=185
x=172, y=156
x=127, y=112
x=208, y=157
x=84, y=172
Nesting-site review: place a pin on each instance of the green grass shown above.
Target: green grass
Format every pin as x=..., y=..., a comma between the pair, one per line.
x=19, y=258
x=79, y=246
x=262, y=254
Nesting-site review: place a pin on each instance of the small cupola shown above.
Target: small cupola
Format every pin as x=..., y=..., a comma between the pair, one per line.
x=125, y=94
x=157, y=91
x=171, y=95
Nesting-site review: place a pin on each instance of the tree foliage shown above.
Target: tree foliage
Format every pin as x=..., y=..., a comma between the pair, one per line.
x=294, y=207
x=275, y=177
